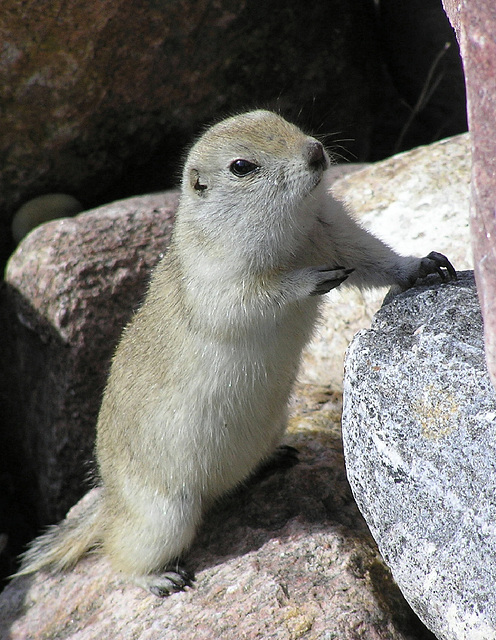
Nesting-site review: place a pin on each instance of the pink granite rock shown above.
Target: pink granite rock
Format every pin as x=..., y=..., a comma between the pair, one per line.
x=286, y=557
x=475, y=25
x=71, y=287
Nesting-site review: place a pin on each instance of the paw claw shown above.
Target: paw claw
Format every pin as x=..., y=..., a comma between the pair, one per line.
x=437, y=263
x=171, y=580
x=332, y=277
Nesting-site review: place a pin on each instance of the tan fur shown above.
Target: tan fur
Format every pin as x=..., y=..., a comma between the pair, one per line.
x=198, y=390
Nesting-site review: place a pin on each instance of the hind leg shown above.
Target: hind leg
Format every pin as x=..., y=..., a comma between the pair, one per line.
x=145, y=542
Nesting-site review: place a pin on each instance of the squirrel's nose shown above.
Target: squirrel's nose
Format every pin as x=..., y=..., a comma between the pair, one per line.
x=317, y=158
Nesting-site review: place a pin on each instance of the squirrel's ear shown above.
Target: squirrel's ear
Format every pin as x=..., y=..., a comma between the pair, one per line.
x=197, y=183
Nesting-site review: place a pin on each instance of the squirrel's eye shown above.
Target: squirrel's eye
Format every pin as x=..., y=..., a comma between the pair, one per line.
x=242, y=168
x=198, y=186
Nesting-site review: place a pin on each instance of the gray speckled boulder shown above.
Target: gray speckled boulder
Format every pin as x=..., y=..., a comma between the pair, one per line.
x=419, y=429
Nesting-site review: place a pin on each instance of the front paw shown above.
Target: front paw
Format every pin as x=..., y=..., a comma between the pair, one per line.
x=328, y=277
x=437, y=263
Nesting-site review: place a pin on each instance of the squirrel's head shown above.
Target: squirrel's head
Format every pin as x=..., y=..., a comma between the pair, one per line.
x=250, y=180
x=256, y=155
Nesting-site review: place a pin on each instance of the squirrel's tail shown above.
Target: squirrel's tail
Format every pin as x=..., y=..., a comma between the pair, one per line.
x=63, y=544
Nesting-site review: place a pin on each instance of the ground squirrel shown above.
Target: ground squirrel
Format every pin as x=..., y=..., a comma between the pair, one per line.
x=198, y=390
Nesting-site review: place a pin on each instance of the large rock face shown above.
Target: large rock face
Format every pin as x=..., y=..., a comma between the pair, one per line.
x=419, y=431
x=475, y=25
x=92, y=90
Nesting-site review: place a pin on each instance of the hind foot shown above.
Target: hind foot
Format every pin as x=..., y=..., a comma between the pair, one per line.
x=171, y=579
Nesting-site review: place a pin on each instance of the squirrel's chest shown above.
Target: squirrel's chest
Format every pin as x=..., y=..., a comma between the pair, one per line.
x=269, y=347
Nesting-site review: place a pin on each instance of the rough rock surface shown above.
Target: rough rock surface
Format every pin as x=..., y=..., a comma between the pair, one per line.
x=419, y=431
x=475, y=25
x=286, y=557
x=417, y=202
